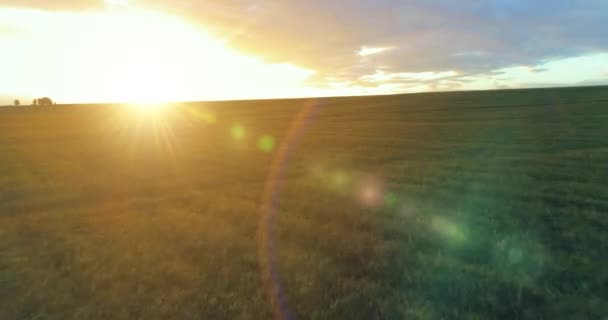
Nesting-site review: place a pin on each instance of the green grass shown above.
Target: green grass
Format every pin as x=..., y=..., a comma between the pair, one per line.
x=472, y=205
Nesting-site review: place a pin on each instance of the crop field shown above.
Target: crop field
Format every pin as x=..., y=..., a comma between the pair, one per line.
x=464, y=205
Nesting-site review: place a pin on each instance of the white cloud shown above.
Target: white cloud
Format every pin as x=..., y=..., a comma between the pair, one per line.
x=381, y=76
x=368, y=51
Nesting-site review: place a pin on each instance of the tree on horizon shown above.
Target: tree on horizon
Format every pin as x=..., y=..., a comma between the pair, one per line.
x=44, y=101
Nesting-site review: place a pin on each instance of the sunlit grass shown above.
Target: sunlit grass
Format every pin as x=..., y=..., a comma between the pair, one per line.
x=448, y=206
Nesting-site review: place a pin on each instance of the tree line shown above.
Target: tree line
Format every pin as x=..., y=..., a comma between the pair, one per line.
x=44, y=101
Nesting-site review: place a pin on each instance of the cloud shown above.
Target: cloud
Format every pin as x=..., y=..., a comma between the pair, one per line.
x=581, y=70
x=368, y=51
x=480, y=40
x=381, y=76
x=470, y=36
x=468, y=54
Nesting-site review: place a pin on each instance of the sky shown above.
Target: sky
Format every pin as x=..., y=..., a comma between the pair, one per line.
x=179, y=50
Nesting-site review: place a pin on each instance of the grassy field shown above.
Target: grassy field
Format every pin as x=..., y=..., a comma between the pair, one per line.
x=472, y=205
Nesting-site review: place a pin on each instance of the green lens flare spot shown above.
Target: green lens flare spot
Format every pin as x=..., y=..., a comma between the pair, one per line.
x=266, y=143
x=452, y=232
x=339, y=179
x=390, y=199
x=237, y=131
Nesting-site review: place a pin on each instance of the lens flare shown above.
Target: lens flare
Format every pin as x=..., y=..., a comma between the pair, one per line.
x=270, y=202
x=391, y=199
x=201, y=114
x=452, y=232
x=237, y=131
x=520, y=258
x=266, y=143
x=371, y=193
x=340, y=180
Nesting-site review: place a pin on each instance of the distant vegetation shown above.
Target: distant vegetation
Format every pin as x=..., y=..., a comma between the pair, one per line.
x=17, y=103
x=478, y=205
x=45, y=101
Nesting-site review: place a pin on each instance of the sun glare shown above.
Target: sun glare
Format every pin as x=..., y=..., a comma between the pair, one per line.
x=148, y=108
x=118, y=2
x=128, y=54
